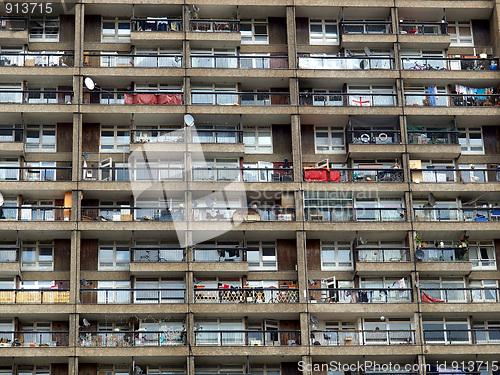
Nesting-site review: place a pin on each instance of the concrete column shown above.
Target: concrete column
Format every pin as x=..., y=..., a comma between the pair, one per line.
x=296, y=148
x=79, y=33
x=305, y=329
x=186, y=53
x=189, y=288
x=74, y=323
x=74, y=279
x=187, y=90
x=190, y=365
x=291, y=37
x=300, y=237
x=72, y=365
x=307, y=363
x=190, y=329
x=77, y=158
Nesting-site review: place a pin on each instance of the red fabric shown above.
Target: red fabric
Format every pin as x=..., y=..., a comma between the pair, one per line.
x=170, y=99
x=145, y=99
x=129, y=98
x=316, y=174
x=428, y=298
x=334, y=175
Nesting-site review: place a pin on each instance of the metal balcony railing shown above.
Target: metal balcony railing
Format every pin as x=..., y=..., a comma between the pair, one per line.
x=239, y=61
x=261, y=213
x=40, y=59
x=139, y=174
x=13, y=23
x=361, y=295
x=256, y=98
x=448, y=63
x=245, y=295
x=131, y=338
x=34, y=339
x=448, y=254
x=247, y=338
x=27, y=212
x=215, y=25
x=137, y=60
x=38, y=296
x=353, y=175
x=379, y=136
x=460, y=295
x=457, y=214
x=163, y=135
x=134, y=97
x=157, y=254
x=217, y=136
x=219, y=254
x=346, y=62
x=135, y=296
x=425, y=28
x=349, y=214
x=382, y=255
x=362, y=337
x=35, y=173
x=353, y=99
x=246, y=174
x=9, y=254
x=366, y=27
x=450, y=174
x=36, y=97
x=452, y=100
x=142, y=213
x=462, y=336
x=157, y=24
x=432, y=137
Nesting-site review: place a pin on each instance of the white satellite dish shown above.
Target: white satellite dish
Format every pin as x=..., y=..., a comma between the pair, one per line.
x=188, y=120
x=86, y=323
x=367, y=50
x=89, y=83
x=2, y=200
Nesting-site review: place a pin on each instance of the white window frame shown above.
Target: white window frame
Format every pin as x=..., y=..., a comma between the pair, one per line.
x=482, y=295
x=173, y=60
x=250, y=37
x=445, y=322
x=116, y=146
x=40, y=174
x=220, y=324
x=392, y=293
x=200, y=59
x=33, y=370
x=477, y=261
x=41, y=337
x=256, y=147
x=168, y=296
x=358, y=99
x=11, y=97
x=44, y=134
x=114, y=296
x=44, y=36
x=323, y=38
x=441, y=101
x=9, y=174
x=467, y=149
x=336, y=264
x=37, y=264
x=119, y=35
x=113, y=370
x=213, y=94
x=443, y=283
x=457, y=40
x=265, y=262
x=332, y=149
x=114, y=247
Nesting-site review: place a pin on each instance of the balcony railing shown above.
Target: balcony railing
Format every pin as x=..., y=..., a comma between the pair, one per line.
x=361, y=295
x=246, y=174
x=157, y=24
x=239, y=62
x=362, y=337
x=136, y=296
x=346, y=63
x=134, y=98
x=13, y=23
x=35, y=173
x=379, y=136
x=263, y=98
x=143, y=213
x=383, y=255
x=349, y=214
x=132, y=338
x=460, y=295
x=36, y=59
x=425, y=28
x=236, y=214
x=215, y=25
x=457, y=214
x=36, y=97
x=448, y=63
x=247, y=337
x=246, y=295
x=353, y=175
x=38, y=296
x=432, y=137
x=448, y=254
x=217, y=136
x=366, y=27
x=35, y=213
x=342, y=99
x=219, y=254
x=34, y=339
x=157, y=254
x=462, y=336
x=163, y=135
x=9, y=254
x=451, y=100
x=138, y=60
x=450, y=174
x=139, y=174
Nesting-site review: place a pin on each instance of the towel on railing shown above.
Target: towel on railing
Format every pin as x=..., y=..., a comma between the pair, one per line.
x=428, y=298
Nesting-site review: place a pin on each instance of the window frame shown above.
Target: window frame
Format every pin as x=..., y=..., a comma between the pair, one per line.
x=115, y=247
x=253, y=132
x=116, y=38
x=323, y=39
x=263, y=259
x=249, y=37
x=116, y=146
x=467, y=148
x=44, y=36
x=456, y=39
x=43, y=132
x=335, y=246
x=332, y=149
x=37, y=264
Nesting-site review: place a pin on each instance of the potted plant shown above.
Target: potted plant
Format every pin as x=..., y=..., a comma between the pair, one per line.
x=419, y=242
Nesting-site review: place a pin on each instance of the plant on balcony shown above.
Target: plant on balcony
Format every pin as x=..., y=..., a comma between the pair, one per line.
x=419, y=242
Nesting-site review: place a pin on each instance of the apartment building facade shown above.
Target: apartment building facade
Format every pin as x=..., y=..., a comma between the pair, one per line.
x=249, y=187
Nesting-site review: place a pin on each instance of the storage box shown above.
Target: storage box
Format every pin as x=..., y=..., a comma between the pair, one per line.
x=29, y=62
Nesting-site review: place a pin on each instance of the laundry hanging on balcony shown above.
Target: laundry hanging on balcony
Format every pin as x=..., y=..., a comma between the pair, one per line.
x=428, y=298
x=432, y=90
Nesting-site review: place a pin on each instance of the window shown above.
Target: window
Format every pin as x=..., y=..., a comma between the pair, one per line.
x=113, y=370
x=216, y=170
x=265, y=370
x=444, y=289
x=115, y=138
x=166, y=370
x=34, y=334
x=482, y=254
x=336, y=255
x=443, y=210
x=44, y=95
x=33, y=285
x=37, y=171
x=7, y=173
x=40, y=138
x=115, y=211
x=422, y=60
x=484, y=290
x=114, y=255
x=159, y=170
x=329, y=139
x=33, y=370
x=214, y=338
x=8, y=93
x=323, y=32
x=214, y=95
x=166, y=211
x=471, y=140
x=366, y=27
x=487, y=332
x=115, y=29
x=389, y=290
x=160, y=58
x=38, y=210
x=461, y=34
x=258, y=139
x=7, y=283
x=374, y=96
x=261, y=255
x=415, y=96
x=382, y=251
x=446, y=331
x=159, y=290
x=215, y=134
x=328, y=206
x=214, y=58
x=44, y=29
x=392, y=331
x=379, y=209
x=168, y=333
x=6, y=328
x=112, y=292
x=217, y=251
x=254, y=31
x=256, y=97
x=37, y=256
x=108, y=61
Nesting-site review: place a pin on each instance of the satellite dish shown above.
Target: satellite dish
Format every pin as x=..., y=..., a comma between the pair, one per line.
x=2, y=200
x=195, y=8
x=85, y=156
x=431, y=199
x=188, y=120
x=84, y=282
x=367, y=51
x=419, y=254
x=209, y=202
x=89, y=83
x=349, y=53
x=314, y=319
x=86, y=323
x=138, y=370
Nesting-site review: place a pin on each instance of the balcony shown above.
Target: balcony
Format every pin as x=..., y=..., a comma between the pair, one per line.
x=161, y=135
x=147, y=31
x=419, y=34
x=449, y=254
x=453, y=214
x=14, y=30
x=32, y=339
x=353, y=175
x=460, y=295
x=143, y=213
x=361, y=295
x=137, y=174
x=137, y=60
x=452, y=100
x=239, y=214
x=35, y=173
x=358, y=34
x=382, y=255
x=462, y=336
x=348, y=99
x=450, y=174
x=135, y=296
x=246, y=174
x=362, y=337
x=157, y=254
x=379, y=136
x=449, y=63
x=245, y=295
x=433, y=137
x=27, y=212
x=219, y=254
x=137, y=338
x=134, y=98
x=239, y=62
x=355, y=214
x=38, y=296
x=346, y=63
x=215, y=25
x=247, y=338
x=36, y=97
x=253, y=98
